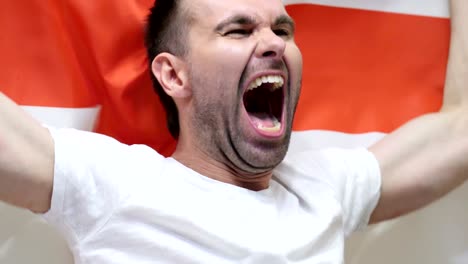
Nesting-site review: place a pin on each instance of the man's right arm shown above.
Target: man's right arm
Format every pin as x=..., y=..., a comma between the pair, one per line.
x=26, y=159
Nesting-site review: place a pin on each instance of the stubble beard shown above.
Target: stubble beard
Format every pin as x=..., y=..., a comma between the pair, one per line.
x=217, y=132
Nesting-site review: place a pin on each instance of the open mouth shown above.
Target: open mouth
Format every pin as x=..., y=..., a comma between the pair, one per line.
x=263, y=101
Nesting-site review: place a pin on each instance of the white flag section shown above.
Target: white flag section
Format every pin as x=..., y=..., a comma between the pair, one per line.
x=79, y=118
x=433, y=8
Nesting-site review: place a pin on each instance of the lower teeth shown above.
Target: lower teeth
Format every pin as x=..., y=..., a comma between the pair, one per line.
x=276, y=126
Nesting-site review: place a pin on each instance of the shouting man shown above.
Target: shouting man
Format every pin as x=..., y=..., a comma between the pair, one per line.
x=229, y=75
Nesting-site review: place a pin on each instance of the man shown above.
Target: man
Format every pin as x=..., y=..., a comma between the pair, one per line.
x=232, y=72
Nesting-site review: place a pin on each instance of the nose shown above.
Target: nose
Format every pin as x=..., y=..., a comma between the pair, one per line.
x=270, y=45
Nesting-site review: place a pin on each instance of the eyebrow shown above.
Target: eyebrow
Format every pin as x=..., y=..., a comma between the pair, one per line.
x=236, y=19
x=285, y=20
x=239, y=19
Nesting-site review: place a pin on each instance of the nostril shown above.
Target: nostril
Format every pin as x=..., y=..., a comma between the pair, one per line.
x=269, y=54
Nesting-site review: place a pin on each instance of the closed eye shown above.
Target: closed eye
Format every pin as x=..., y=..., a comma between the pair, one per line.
x=282, y=32
x=240, y=32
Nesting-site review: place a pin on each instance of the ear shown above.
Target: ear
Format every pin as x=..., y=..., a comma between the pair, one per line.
x=172, y=74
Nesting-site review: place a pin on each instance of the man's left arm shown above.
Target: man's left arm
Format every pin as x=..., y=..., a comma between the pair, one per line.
x=428, y=157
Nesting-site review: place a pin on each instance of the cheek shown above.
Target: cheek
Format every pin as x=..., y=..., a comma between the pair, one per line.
x=216, y=69
x=227, y=57
x=210, y=89
x=294, y=61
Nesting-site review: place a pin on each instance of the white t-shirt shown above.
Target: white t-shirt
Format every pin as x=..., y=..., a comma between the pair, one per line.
x=116, y=203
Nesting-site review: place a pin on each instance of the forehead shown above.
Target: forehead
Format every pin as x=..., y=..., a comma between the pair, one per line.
x=213, y=11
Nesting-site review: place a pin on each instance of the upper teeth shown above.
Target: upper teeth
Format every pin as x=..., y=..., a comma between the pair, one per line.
x=276, y=80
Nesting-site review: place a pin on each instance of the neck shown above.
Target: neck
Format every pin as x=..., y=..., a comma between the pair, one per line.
x=201, y=162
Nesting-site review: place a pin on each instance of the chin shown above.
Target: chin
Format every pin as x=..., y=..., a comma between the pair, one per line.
x=261, y=159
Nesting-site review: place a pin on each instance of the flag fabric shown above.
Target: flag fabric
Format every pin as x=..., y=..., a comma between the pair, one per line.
x=86, y=60
x=369, y=66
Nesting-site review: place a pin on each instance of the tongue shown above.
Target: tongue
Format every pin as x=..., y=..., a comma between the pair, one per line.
x=263, y=119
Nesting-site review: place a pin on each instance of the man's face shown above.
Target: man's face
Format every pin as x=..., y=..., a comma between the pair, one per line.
x=245, y=73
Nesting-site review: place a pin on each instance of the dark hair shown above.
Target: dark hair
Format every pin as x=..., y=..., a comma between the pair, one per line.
x=165, y=32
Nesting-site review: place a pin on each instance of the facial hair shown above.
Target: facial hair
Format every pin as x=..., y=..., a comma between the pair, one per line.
x=216, y=121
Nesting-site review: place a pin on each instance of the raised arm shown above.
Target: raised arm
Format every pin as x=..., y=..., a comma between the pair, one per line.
x=428, y=157
x=26, y=159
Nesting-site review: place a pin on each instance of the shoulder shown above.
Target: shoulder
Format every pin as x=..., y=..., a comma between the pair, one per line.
x=329, y=166
x=95, y=144
x=327, y=159
x=96, y=157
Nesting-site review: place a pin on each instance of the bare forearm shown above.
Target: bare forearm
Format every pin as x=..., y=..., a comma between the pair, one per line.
x=26, y=159
x=456, y=90
x=420, y=162
x=427, y=158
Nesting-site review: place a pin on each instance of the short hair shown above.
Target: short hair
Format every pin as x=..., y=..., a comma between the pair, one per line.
x=166, y=31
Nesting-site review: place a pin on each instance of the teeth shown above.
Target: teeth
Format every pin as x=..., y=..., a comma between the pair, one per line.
x=259, y=82
x=276, y=80
x=276, y=126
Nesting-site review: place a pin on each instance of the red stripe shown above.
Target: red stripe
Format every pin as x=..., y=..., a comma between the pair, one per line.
x=366, y=70
x=40, y=64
